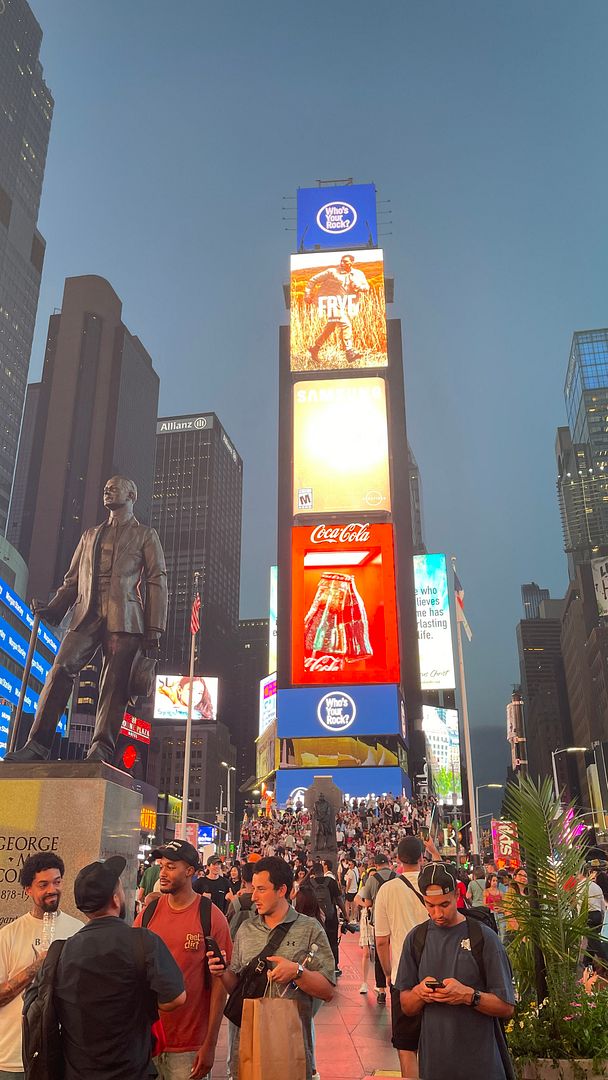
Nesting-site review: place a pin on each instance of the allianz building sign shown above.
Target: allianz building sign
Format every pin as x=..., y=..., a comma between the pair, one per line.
x=171, y=426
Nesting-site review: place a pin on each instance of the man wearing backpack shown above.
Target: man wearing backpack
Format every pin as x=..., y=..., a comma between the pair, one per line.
x=366, y=898
x=454, y=971
x=329, y=899
x=22, y=952
x=183, y=919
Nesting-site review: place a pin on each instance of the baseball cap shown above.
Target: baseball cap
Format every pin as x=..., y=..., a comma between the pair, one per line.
x=96, y=883
x=438, y=877
x=213, y=860
x=178, y=851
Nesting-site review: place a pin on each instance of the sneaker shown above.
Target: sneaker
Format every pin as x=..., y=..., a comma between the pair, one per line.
x=381, y=997
x=363, y=988
x=315, y=1076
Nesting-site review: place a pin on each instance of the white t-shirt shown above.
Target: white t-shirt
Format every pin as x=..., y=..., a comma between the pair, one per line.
x=397, y=910
x=17, y=941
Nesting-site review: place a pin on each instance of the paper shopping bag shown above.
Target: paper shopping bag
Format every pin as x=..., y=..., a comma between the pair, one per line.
x=272, y=1043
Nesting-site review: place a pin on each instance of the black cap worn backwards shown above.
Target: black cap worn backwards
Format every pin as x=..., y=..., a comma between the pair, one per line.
x=96, y=884
x=438, y=878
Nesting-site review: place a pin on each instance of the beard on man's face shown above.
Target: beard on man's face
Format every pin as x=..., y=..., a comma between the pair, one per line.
x=50, y=904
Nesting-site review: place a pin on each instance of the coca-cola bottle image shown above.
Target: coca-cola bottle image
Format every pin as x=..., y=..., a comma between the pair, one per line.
x=335, y=627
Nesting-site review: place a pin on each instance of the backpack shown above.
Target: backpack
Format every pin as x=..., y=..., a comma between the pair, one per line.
x=417, y=943
x=41, y=1030
x=245, y=912
x=204, y=914
x=381, y=881
x=324, y=900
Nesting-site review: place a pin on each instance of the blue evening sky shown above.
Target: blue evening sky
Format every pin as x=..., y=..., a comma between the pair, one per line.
x=179, y=127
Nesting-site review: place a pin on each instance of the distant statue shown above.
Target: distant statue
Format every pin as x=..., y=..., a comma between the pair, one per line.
x=325, y=825
x=104, y=587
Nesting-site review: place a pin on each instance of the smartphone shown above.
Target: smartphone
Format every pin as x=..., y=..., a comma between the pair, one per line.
x=423, y=833
x=211, y=945
x=434, y=984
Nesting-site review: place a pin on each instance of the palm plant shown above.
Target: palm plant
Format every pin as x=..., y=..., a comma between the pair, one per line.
x=551, y=923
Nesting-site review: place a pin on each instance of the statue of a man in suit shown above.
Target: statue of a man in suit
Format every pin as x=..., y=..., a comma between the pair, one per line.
x=103, y=586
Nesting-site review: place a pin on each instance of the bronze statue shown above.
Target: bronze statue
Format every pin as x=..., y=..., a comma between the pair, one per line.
x=325, y=826
x=103, y=585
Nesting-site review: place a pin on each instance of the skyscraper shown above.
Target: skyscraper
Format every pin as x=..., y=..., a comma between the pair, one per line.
x=197, y=509
x=95, y=417
x=543, y=685
x=531, y=597
x=26, y=110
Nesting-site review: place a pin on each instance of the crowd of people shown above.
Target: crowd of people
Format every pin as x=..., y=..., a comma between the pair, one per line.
x=134, y=1002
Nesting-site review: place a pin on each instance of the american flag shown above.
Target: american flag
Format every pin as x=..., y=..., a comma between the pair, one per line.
x=460, y=615
x=195, y=615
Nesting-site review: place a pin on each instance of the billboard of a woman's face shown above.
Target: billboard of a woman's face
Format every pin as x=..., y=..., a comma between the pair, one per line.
x=173, y=694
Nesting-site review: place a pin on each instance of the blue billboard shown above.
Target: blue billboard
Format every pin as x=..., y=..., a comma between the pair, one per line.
x=317, y=711
x=336, y=217
x=358, y=783
x=19, y=608
x=16, y=647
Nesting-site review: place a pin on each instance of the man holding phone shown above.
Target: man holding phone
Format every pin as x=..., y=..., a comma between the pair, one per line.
x=440, y=975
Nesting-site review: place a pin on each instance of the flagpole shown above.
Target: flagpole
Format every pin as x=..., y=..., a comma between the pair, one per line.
x=188, y=746
x=468, y=757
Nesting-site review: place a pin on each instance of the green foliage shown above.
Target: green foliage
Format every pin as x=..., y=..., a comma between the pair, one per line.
x=548, y=918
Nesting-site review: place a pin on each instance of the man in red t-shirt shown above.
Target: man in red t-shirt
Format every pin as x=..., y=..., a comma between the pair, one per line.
x=191, y=1032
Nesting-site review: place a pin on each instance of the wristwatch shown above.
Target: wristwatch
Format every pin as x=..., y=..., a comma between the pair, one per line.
x=299, y=973
x=475, y=999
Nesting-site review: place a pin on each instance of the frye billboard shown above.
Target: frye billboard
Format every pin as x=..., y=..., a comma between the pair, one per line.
x=335, y=216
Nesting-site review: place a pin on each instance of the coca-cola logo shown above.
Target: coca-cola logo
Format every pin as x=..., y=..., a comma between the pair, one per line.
x=354, y=533
x=336, y=711
x=323, y=663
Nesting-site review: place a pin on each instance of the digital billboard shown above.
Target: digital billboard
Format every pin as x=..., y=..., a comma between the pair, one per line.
x=340, y=446
x=343, y=604
x=337, y=311
x=357, y=783
x=340, y=752
x=268, y=702
x=440, y=728
x=434, y=624
x=172, y=694
x=335, y=215
x=325, y=711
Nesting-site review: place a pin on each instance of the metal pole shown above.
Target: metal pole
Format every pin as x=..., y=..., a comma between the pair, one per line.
x=228, y=829
x=555, y=781
x=188, y=746
x=467, y=734
x=219, y=823
x=24, y=681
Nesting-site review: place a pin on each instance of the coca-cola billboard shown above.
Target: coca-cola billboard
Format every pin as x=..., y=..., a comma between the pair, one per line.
x=340, y=447
x=344, y=612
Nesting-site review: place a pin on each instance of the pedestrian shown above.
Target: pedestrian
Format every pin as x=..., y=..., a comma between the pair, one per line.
x=455, y=973
x=477, y=888
x=304, y=974
x=331, y=900
x=109, y=983
x=148, y=883
x=399, y=908
x=365, y=898
x=23, y=949
x=351, y=884
x=518, y=887
x=178, y=917
x=242, y=907
x=215, y=884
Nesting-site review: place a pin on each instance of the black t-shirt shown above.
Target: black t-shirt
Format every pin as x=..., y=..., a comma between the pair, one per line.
x=216, y=888
x=104, y=1008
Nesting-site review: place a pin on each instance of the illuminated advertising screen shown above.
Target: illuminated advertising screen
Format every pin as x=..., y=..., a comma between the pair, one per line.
x=599, y=569
x=434, y=624
x=340, y=446
x=343, y=605
x=136, y=728
x=172, y=693
x=335, y=215
x=268, y=702
x=338, y=311
x=440, y=728
x=324, y=711
x=356, y=783
x=265, y=753
x=340, y=752
x=272, y=619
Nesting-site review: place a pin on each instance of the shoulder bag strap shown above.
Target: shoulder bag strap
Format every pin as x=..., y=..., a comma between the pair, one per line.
x=411, y=887
x=149, y=910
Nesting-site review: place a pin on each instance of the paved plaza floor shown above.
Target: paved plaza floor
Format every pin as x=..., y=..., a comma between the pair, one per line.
x=353, y=1031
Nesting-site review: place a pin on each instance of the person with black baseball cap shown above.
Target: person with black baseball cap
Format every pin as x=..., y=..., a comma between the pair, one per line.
x=109, y=981
x=456, y=973
x=183, y=920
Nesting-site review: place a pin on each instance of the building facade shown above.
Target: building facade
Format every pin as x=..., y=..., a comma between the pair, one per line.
x=95, y=417
x=197, y=511
x=251, y=666
x=543, y=688
x=416, y=504
x=26, y=110
x=531, y=597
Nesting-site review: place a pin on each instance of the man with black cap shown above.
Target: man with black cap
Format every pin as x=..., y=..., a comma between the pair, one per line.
x=179, y=917
x=456, y=973
x=215, y=884
x=110, y=979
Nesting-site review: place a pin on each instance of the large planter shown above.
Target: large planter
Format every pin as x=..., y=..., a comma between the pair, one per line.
x=575, y=1069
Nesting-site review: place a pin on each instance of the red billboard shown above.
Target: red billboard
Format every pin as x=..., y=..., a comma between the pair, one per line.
x=344, y=610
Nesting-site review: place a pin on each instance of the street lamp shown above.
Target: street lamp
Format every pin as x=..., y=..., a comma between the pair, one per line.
x=229, y=769
x=564, y=750
x=479, y=788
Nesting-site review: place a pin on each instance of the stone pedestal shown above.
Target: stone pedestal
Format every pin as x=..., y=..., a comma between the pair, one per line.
x=324, y=785
x=82, y=812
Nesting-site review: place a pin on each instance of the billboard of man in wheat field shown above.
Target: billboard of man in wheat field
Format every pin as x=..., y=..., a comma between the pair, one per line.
x=338, y=312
